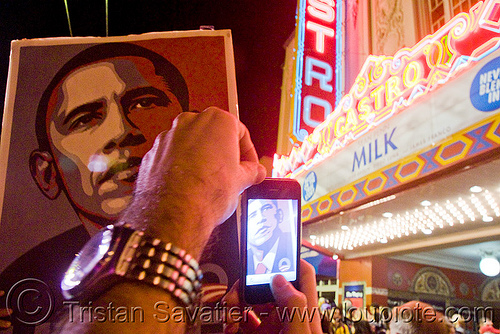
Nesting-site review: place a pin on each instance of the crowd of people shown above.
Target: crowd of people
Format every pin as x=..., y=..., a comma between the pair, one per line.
x=414, y=317
x=349, y=320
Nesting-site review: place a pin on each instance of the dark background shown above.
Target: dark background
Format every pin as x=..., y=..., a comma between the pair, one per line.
x=260, y=29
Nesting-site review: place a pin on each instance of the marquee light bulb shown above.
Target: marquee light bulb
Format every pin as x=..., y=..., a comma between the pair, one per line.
x=489, y=266
x=476, y=189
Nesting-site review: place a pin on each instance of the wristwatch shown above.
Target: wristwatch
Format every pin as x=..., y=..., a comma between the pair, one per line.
x=118, y=253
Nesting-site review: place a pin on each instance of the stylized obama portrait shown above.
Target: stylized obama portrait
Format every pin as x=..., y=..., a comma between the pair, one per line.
x=96, y=120
x=269, y=248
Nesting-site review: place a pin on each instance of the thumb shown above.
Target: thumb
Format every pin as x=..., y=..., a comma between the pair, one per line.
x=252, y=173
x=291, y=301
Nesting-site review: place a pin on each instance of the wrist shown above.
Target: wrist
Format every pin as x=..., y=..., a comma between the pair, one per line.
x=171, y=217
x=179, y=206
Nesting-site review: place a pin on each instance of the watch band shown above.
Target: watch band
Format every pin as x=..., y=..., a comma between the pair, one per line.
x=163, y=265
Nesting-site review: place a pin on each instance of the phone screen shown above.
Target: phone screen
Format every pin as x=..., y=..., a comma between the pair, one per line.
x=271, y=239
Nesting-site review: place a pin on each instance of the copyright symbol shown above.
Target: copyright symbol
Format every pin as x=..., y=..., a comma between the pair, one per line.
x=31, y=300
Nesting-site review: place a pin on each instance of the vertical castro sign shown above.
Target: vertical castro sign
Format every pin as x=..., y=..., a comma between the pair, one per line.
x=318, y=64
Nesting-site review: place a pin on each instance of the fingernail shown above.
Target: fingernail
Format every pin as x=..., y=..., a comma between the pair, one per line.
x=261, y=171
x=253, y=319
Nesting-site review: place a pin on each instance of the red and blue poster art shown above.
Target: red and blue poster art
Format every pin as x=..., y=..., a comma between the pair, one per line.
x=64, y=175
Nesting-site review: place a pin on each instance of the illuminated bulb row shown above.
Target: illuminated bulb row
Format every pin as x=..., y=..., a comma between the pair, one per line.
x=479, y=206
x=466, y=209
x=491, y=202
x=455, y=212
x=425, y=220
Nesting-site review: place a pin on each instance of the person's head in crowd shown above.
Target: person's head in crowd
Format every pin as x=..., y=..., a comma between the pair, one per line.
x=458, y=322
x=96, y=120
x=417, y=317
x=486, y=322
x=338, y=314
x=375, y=311
x=355, y=314
x=324, y=304
x=361, y=327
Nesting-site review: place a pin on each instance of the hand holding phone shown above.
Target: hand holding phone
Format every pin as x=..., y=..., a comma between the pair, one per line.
x=286, y=298
x=271, y=235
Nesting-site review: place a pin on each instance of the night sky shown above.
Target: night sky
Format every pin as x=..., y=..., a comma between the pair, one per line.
x=260, y=29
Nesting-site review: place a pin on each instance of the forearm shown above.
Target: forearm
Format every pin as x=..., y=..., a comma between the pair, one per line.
x=184, y=219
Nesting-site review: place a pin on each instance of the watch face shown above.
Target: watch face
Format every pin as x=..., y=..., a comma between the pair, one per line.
x=93, y=251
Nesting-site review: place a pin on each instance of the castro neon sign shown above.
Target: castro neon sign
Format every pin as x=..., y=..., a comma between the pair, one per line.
x=317, y=74
x=388, y=85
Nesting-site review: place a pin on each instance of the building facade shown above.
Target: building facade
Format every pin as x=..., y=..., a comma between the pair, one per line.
x=390, y=121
